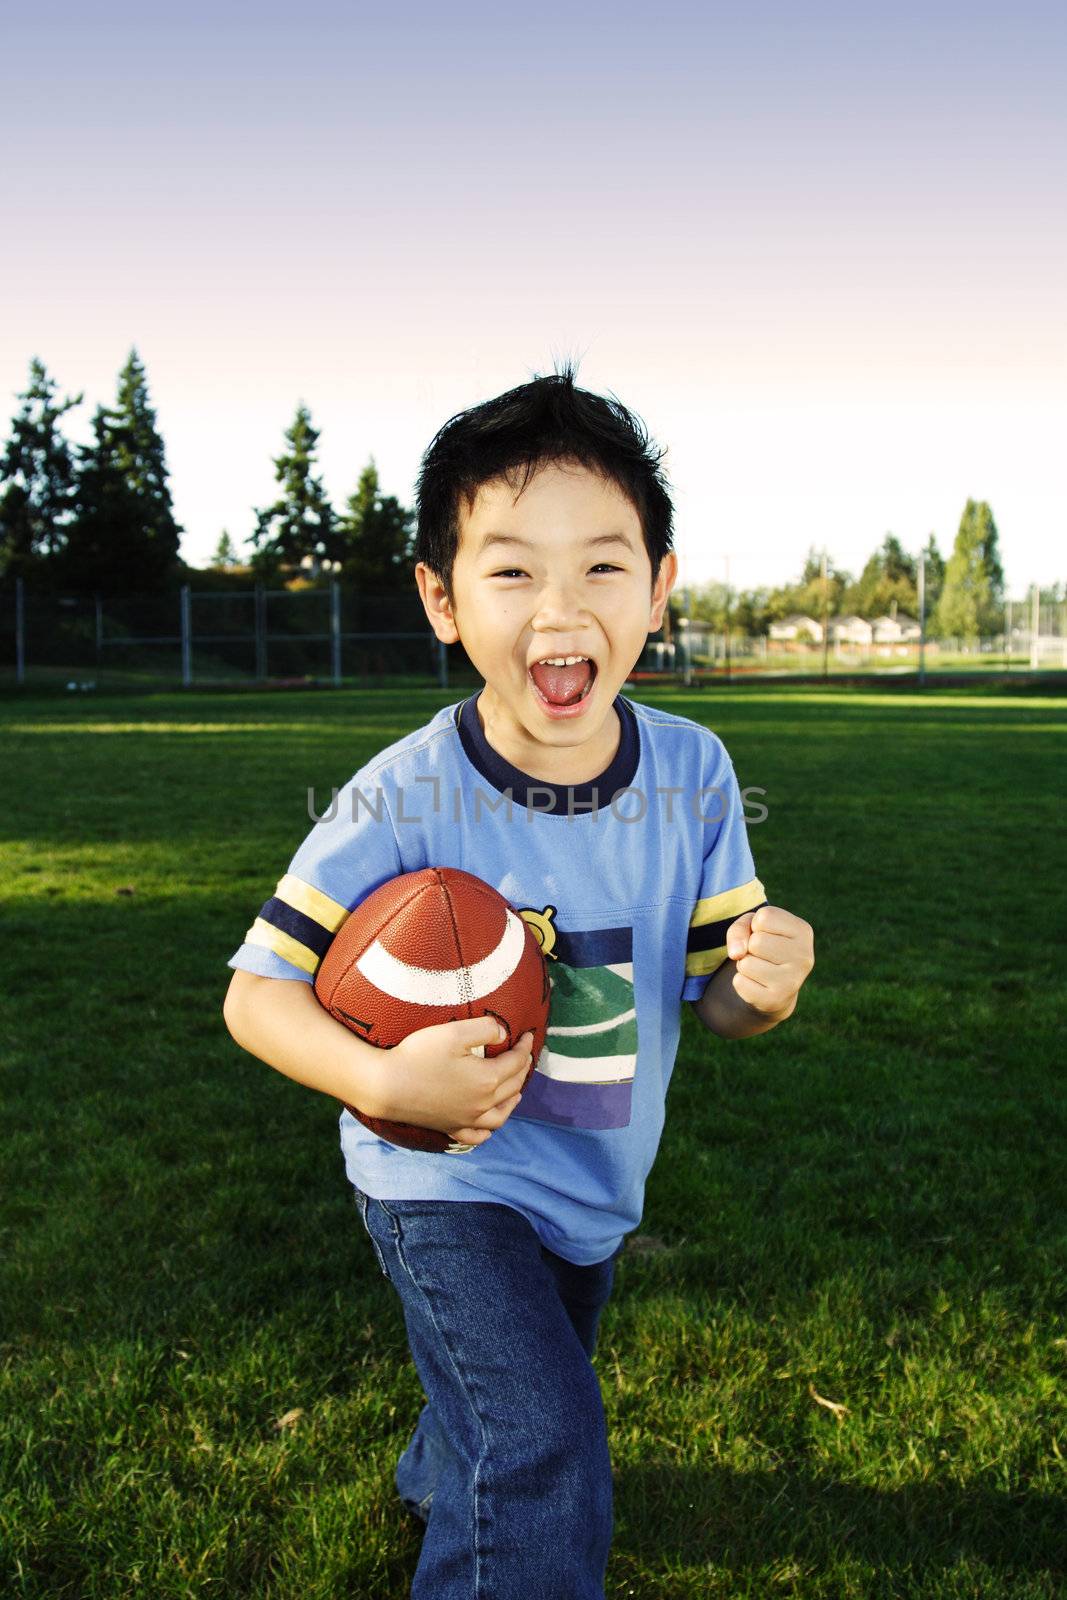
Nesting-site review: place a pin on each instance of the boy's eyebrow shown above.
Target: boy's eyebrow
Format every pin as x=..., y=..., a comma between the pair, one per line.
x=511, y=538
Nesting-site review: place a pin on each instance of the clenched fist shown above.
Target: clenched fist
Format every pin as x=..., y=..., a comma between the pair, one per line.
x=773, y=952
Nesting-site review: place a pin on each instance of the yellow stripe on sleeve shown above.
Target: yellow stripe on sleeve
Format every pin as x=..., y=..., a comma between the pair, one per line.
x=283, y=944
x=702, y=961
x=732, y=903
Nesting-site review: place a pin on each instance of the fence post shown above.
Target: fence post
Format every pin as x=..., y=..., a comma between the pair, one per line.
x=442, y=664
x=1007, y=608
x=1035, y=627
x=99, y=631
x=922, y=617
x=20, y=632
x=335, y=630
x=261, y=633
x=187, y=639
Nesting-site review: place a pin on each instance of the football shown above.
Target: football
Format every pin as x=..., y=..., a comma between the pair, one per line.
x=428, y=947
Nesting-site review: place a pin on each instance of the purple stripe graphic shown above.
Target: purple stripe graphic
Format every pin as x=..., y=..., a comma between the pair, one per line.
x=576, y=1105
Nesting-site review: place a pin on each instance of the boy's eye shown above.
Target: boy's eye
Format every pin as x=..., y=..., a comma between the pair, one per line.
x=517, y=572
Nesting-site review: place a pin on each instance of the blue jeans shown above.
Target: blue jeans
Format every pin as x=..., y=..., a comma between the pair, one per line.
x=509, y=1460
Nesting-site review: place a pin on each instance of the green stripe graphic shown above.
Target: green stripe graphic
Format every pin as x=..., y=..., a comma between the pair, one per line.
x=599, y=1003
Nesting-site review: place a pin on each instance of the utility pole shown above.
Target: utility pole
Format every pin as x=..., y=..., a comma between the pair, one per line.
x=726, y=560
x=1007, y=620
x=922, y=616
x=689, y=633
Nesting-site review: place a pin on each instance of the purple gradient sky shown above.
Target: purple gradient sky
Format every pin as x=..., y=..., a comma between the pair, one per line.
x=824, y=256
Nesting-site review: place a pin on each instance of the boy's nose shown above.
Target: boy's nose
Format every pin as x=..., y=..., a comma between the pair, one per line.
x=559, y=611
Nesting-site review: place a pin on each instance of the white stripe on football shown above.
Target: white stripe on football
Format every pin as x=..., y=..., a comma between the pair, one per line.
x=455, y=986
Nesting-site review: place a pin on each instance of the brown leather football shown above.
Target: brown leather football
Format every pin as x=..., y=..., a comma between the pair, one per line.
x=429, y=947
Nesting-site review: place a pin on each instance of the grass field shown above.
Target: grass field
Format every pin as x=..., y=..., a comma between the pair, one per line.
x=204, y=1377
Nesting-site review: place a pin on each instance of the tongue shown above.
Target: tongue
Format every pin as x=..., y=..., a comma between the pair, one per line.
x=561, y=686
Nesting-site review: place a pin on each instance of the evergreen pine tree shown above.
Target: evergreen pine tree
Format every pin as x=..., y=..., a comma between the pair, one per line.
x=124, y=537
x=37, y=468
x=375, y=540
x=301, y=521
x=972, y=595
x=225, y=555
x=934, y=575
x=887, y=584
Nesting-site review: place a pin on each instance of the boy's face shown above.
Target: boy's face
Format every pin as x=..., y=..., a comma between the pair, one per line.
x=540, y=576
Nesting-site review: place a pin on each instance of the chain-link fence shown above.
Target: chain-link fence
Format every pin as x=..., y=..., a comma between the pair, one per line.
x=207, y=637
x=1034, y=639
x=202, y=637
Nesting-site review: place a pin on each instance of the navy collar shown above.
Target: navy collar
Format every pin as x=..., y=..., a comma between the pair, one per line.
x=577, y=799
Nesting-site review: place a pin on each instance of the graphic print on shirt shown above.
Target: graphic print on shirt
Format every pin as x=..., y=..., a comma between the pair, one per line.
x=584, y=1076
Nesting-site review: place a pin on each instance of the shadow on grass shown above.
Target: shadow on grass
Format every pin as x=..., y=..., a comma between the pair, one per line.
x=747, y=1520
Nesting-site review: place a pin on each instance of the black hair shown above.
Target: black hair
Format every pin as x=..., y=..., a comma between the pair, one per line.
x=545, y=421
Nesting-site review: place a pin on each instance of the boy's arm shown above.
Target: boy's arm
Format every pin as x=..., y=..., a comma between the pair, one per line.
x=280, y=1021
x=770, y=953
x=437, y=1077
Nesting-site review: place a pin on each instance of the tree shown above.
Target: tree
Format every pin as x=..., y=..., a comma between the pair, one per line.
x=888, y=583
x=934, y=576
x=124, y=535
x=751, y=613
x=810, y=596
x=38, y=468
x=225, y=555
x=375, y=539
x=300, y=523
x=972, y=596
x=711, y=603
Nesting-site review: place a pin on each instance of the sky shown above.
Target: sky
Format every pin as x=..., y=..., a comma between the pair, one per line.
x=821, y=254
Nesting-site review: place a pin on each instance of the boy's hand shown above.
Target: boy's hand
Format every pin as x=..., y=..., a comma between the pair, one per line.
x=433, y=1079
x=773, y=952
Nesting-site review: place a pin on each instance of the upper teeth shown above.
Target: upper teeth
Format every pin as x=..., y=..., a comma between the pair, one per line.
x=562, y=661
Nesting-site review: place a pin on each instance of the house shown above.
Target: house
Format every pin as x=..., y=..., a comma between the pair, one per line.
x=851, y=630
x=797, y=627
x=897, y=629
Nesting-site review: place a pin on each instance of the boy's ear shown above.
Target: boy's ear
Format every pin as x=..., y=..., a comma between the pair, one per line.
x=666, y=578
x=436, y=604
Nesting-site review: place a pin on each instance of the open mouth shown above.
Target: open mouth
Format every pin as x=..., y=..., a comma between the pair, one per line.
x=561, y=681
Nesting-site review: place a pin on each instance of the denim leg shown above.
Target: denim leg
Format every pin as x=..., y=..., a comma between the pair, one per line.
x=511, y=1447
x=585, y=1292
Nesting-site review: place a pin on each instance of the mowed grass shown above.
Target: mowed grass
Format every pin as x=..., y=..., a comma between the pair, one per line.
x=834, y=1362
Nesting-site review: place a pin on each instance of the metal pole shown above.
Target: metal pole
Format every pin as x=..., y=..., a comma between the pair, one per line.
x=187, y=639
x=726, y=635
x=261, y=632
x=922, y=617
x=99, y=629
x=442, y=664
x=335, y=631
x=825, y=619
x=1007, y=619
x=689, y=633
x=20, y=632
x=1063, y=633
x=1035, y=626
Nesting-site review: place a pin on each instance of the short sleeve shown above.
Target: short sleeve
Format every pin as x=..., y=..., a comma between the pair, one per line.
x=728, y=884
x=350, y=851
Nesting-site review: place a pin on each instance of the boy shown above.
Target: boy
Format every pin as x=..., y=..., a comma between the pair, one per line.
x=617, y=831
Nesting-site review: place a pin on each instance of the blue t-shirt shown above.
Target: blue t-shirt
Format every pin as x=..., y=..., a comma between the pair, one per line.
x=630, y=880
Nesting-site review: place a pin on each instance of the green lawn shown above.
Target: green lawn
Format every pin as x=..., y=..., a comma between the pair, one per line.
x=205, y=1379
